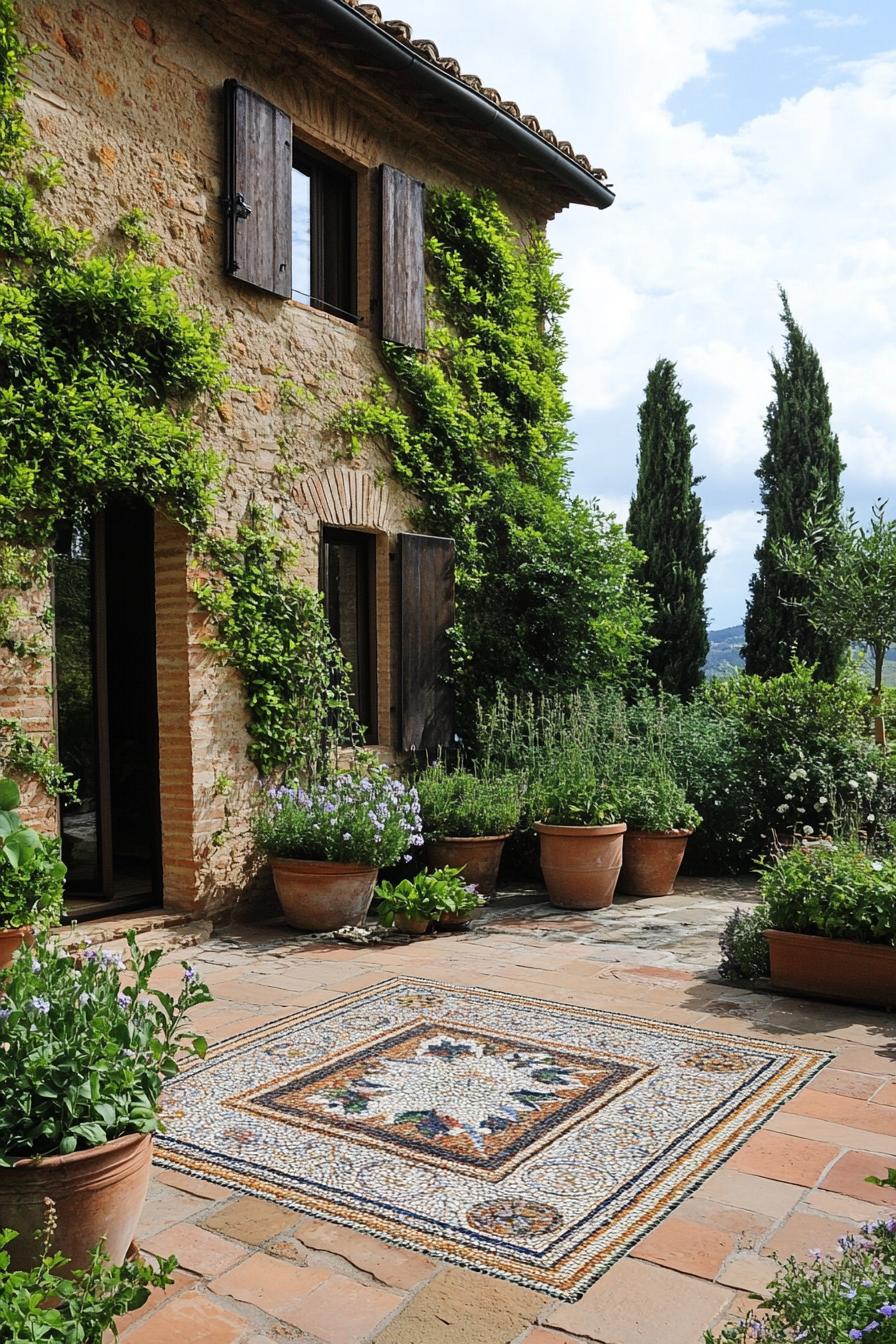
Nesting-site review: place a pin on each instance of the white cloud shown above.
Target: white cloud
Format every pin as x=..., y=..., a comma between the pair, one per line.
x=824, y=18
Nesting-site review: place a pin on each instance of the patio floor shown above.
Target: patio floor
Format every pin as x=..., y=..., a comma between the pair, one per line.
x=252, y=1272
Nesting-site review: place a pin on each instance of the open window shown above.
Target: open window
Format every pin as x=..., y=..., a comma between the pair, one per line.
x=323, y=234
x=348, y=577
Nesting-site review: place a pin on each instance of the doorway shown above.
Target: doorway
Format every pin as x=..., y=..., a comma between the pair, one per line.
x=104, y=605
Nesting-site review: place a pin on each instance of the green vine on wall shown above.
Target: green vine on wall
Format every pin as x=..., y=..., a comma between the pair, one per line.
x=547, y=594
x=102, y=376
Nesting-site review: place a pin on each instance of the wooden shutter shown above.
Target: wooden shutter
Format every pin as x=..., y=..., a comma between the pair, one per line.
x=403, y=281
x=258, y=191
x=427, y=614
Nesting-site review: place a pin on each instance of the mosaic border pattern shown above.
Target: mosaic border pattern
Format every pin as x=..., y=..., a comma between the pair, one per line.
x=630, y=1214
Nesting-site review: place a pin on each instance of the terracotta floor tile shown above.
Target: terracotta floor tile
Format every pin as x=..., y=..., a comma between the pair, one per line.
x=842, y=1206
x=690, y=1247
x=639, y=1303
x=803, y=1233
x=273, y=1285
x=541, y=1335
x=782, y=1157
x=180, y=1282
x=342, y=1311
x=860, y=1114
x=251, y=1220
x=196, y=1248
x=831, y=1132
x=192, y=1317
x=741, y=1190
x=845, y=1082
x=460, y=1307
x=747, y=1228
x=867, y=1059
x=847, y=1177
x=192, y=1185
x=887, y=1094
x=392, y=1265
x=164, y=1207
x=749, y=1271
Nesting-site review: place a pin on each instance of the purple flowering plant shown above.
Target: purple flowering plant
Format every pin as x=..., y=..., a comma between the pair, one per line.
x=86, y=1044
x=363, y=817
x=850, y=1295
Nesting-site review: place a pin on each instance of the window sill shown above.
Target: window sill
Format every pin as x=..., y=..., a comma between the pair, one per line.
x=361, y=325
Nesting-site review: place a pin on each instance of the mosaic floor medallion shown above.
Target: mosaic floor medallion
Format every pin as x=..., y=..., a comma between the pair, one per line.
x=532, y=1140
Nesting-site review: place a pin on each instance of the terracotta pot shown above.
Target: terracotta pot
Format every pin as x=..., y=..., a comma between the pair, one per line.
x=477, y=856
x=651, y=860
x=833, y=968
x=10, y=942
x=581, y=864
x=449, y=921
x=98, y=1193
x=319, y=897
x=407, y=924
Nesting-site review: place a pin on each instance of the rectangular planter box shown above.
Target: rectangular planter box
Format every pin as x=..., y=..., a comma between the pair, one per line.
x=832, y=968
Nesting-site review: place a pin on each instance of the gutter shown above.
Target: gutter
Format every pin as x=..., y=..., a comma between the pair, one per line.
x=398, y=57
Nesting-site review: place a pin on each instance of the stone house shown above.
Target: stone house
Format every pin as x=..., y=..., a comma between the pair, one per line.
x=281, y=152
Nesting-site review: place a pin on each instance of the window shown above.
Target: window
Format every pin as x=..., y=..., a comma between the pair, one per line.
x=323, y=234
x=347, y=578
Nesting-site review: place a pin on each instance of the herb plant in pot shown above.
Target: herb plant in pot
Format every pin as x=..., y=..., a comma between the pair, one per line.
x=327, y=843
x=31, y=876
x=86, y=1045
x=580, y=839
x=466, y=820
x=660, y=822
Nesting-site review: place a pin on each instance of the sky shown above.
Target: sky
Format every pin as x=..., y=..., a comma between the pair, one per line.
x=750, y=144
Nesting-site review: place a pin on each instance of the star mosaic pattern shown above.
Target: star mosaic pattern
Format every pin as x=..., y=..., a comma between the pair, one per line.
x=532, y=1140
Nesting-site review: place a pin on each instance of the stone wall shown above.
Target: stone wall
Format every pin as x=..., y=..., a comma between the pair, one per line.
x=130, y=101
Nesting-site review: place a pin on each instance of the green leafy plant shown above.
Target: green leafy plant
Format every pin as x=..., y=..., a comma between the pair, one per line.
x=833, y=1299
x=835, y=890
x=87, y=1043
x=461, y=803
x=355, y=817
x=653, y=801
x=426, y=896
x=743, y=946
x=47, y=1305
x=31, y=871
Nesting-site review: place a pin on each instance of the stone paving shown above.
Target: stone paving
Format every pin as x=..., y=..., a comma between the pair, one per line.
x=252, y=1272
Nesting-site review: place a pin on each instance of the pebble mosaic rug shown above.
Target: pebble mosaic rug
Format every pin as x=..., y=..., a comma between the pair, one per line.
x=532, y=1140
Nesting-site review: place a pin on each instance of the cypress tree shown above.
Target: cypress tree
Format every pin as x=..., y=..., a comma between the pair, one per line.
x=666, y=523
x=800, y=482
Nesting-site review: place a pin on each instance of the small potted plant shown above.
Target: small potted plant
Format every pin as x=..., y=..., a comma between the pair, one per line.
x=580, y=836
x=660, y=821
x=466, y=820
x=31, y=876
x=832, y=923
x=86, y=1044
x=408, y=905
x=327, y=843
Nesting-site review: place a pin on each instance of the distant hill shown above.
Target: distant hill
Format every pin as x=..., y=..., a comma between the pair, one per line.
x=724, y=654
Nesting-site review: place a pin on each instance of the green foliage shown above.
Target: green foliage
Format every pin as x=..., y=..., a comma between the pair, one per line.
x=461, y=803
x=273, y=629
x=46, y=1304
x=31, y=871
x=426, y=896
x=354, y=817
x=835, y=890
x=800, y=476
x=653, y=800
x=30, y=759
x=832, y=1299
x=742, y=945
x=665, y=522
x=87, y=1044
x=134, y=227
x=546, y=586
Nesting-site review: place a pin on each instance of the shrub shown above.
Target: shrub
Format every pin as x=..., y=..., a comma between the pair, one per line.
x=86, y=1045
x=426, y=896
x=742, y=945
x=31, y=871
x=360, y=818
x=835, y=890
x=834, y=1298
x=465, y=804
x=653, y=801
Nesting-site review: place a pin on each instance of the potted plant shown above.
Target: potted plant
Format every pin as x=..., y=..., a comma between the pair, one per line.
x=408, y=905
x=832, y=923
x=86, y=1044
x=327, y=843
x=466, y=820
x=580, y=837
x=31, y=876
x=660, y=821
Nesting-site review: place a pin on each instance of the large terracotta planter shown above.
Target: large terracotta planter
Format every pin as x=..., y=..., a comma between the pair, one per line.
x=833, y=968
x=319, y=897
x=10, y=942
x=581, y=864
x=650, y=861
x=477, y=856
x=98, y=1193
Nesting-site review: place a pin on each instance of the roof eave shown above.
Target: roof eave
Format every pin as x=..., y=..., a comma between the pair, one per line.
x=583, y=186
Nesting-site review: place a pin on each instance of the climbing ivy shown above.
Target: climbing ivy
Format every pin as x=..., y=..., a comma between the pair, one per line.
x=547, y=596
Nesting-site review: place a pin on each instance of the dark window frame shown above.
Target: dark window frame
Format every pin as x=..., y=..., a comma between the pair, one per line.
x=366, y=672
x=334, y=209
